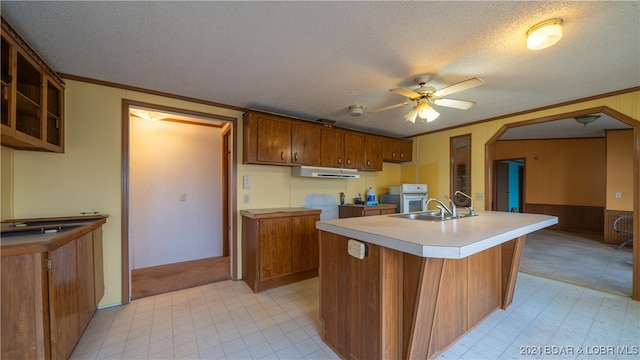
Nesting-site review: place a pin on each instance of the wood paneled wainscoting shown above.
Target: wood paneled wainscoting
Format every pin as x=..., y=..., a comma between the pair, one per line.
x=610, y=236
x=572, y=218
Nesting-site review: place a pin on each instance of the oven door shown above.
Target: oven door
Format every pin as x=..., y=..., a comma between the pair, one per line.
x=411, y=203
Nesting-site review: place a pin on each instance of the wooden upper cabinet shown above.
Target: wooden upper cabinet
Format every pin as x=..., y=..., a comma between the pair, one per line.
x=305, y=144
x=372, y=153
x=267, y=139
x=396, y=150
x=271, y=139
x=332, y=147
x=353, y=151
x=32, y=98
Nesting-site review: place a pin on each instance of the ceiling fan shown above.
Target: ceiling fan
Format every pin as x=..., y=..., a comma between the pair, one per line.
x=425, y=96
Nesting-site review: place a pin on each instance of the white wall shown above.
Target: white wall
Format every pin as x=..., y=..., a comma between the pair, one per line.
x=168, y=159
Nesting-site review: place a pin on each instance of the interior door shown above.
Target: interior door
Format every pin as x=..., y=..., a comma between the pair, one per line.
x=501, y=201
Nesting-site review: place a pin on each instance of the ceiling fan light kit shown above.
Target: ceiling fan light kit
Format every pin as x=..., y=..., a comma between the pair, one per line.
x=425, y=96
x=544, y=34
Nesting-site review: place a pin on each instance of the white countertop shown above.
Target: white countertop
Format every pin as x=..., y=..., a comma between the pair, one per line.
x=450, y=239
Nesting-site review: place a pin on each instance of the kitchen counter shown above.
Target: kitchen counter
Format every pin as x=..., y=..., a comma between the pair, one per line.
x=394, y=288
x=22, y=236
x=450, y=239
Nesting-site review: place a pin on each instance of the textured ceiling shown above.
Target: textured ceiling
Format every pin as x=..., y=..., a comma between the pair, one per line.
x=314, y=59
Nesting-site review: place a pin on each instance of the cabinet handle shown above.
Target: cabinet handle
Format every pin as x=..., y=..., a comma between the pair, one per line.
x=282, y=155
x=393, y=154
x=368, y=162
x=295, y=156
x=339, y=160
x=348, y=161
x=401, y=155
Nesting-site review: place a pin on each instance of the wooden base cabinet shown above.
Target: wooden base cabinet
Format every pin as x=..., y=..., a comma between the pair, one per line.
x=347, y=211
x=279, y=246
x=50, y=296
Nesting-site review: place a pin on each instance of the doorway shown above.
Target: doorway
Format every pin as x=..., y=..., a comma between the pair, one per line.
x=509, y=185
x=177, y=184
x=490, y=172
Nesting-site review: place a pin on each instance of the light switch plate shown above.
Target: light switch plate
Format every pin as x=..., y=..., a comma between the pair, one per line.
x=357, y=249
x=246, y=182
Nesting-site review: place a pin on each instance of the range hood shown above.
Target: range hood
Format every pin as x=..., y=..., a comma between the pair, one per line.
x=323, y=172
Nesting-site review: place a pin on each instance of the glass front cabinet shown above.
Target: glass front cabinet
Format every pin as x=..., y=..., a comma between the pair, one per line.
x=32, y=98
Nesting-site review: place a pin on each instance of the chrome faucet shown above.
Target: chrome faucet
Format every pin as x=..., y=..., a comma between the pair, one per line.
x=441, y=206
x=452, y=206
x=471, y=211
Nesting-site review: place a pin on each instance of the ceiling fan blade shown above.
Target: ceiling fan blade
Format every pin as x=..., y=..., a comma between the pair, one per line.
x=389, y=107
x=406, y=93
x=463, y=85
x=456, y=104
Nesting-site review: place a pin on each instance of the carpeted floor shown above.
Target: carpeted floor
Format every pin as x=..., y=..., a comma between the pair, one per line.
x=580, y=259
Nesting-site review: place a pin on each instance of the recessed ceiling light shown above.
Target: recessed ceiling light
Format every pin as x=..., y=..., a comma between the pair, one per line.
x=544, y=34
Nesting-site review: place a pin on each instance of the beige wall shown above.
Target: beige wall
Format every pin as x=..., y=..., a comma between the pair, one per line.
x=619, y=170
x=560, y=172
x=432, y=155
x=87, y=177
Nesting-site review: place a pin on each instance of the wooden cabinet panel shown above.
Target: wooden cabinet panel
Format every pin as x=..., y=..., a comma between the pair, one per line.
x=98, y=266
x=85, y=279
x=305, y=243
x=275, y=248
x=305, y=144
x=23, y=307
x=373, y=153
x=332, y=148
x=63, y=301
x=354, y=151
x=274, y=140
x=406, y=150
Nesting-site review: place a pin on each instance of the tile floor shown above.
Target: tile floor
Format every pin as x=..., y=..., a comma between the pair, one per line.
x=581, y=259
x=547, y=320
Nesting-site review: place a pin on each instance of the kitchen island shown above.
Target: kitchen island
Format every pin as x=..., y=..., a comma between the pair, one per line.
x=411, y=288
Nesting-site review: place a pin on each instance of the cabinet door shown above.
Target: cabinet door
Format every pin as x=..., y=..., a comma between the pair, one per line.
x=390, y=150
x=274, y=244
x=406, y=150
x=373, y=153
x=24, y=307
x=63, y=301
x=274, y=139
x=305, y=243
x=98, y=266
x=86, y=286
x=354, y=151
x=305, y=144
x=332, y=147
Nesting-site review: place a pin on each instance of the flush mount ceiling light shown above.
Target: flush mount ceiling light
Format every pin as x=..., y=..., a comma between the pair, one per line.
x=422, y=110
x=587, y=119
x=544, y=34
x=355, y=110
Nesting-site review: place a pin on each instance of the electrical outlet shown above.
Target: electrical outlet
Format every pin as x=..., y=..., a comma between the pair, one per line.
x=183, y=197
x=246, y=198
x=357, y=249
x=618, y=195
x=246, y=182
x=479, y=196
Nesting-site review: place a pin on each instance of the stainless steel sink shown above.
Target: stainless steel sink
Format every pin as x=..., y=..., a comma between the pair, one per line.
x=428, y=216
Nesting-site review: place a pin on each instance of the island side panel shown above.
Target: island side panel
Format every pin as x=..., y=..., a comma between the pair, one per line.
x=334, y=286
x=511, y=255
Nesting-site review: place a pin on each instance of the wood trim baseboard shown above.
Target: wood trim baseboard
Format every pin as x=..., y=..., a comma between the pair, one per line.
x=572, y=218
x=164, y=278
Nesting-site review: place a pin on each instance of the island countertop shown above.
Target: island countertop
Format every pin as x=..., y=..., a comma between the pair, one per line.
x=450, y=239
